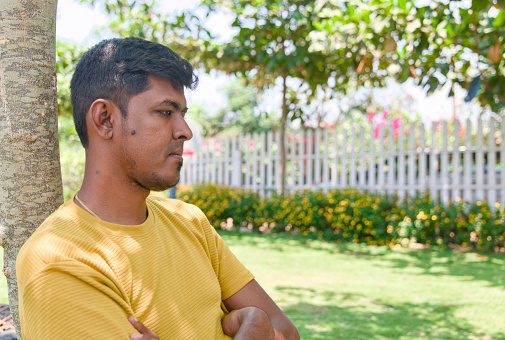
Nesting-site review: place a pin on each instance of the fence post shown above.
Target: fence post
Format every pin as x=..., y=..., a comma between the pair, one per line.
x=456, y=192
x=381, y=176
x=326, y=162
x=391, y=178
x=371, y=160
x=479, y=163
x=236, y=175
x=433, y=170
x=444, y=162
x=422, y=160
x=467, y=169
x=491, y=166
x=400, y=180
x=412, y=161
x=263, y=142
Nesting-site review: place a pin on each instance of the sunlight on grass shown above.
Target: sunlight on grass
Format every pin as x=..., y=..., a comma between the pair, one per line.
x=360, y=292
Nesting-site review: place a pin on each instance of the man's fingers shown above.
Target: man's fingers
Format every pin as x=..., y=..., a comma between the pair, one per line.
x=230, y=323
x=145, y=333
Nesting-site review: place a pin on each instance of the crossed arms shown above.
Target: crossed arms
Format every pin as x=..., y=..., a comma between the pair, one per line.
x=254, y=315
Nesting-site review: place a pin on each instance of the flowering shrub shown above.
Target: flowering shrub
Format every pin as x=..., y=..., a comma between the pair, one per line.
x=354, y=216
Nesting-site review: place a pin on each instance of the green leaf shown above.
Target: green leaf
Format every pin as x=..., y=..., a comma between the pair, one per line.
x=479, y=5
x=402, y=4
x=500, y=19
x=271, y=64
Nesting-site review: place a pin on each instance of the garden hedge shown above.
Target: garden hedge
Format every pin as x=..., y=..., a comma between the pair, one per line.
x=354, y=216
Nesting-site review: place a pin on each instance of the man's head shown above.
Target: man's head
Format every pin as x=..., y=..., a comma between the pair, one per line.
x=118, y=69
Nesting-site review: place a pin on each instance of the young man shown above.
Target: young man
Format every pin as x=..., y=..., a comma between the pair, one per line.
x=113, y=263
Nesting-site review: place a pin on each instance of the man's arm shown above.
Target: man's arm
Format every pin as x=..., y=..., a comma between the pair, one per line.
x=252, y=295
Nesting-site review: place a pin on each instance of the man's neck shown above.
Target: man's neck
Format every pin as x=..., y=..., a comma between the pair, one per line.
x=111, y=199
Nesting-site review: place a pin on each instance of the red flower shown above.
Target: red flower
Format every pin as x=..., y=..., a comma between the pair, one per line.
x=371, y=115
x=397, y=123
x=377, y=127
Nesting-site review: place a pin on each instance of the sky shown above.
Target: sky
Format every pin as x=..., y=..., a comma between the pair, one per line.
x=76, y=22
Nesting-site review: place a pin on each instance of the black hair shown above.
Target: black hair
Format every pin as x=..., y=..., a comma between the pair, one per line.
x=117, y=69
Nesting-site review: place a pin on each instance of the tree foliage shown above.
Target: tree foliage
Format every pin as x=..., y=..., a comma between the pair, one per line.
x=435, y=42
x=67, y=55
x=184, y=32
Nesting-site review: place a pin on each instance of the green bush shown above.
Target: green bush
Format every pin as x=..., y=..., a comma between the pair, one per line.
x=71, y=156
x=354, y=216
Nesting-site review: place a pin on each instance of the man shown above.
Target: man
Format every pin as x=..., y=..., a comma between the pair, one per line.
x=113, y=263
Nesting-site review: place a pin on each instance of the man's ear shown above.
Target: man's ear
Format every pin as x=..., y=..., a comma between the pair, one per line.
x=103, y=116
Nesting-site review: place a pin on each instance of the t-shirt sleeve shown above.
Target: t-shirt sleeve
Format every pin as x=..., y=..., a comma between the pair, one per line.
x=70, y=300
x=231, y=273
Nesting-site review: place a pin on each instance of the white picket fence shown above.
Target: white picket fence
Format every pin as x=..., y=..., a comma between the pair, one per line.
x=407, y=160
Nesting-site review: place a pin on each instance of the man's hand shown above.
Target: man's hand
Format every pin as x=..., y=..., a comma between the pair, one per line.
x=252, y=295
x=145, y=333
x=248, y=323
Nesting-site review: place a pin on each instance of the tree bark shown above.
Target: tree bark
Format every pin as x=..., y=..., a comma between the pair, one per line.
x=281, y=183
x=30, y=175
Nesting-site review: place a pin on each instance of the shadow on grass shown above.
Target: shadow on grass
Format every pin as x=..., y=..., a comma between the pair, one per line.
x=471, y=266
x=350, y=316
x=279, y=241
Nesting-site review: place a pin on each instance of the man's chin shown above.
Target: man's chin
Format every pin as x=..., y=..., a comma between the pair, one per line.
x=165, y=186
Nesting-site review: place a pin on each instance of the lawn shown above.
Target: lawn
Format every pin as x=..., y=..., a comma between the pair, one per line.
x=360, y=292
x=363, y=292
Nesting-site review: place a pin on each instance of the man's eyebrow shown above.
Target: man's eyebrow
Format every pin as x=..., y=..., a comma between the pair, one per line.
x=173, y=103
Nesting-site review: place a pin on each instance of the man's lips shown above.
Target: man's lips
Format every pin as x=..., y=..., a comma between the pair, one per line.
x=177, y=155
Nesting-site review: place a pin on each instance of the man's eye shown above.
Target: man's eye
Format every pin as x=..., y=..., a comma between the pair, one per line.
x=167, y=112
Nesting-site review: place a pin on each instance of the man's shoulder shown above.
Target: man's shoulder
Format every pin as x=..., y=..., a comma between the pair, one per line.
x=48, y=242
x=181, y=215
x=63, y=219
x=59, y=232
x=175, y=206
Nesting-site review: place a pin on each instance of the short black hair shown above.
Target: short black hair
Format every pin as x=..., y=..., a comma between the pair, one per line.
x=117, y=69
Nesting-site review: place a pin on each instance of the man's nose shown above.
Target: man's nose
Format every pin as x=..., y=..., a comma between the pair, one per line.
x=182, y=129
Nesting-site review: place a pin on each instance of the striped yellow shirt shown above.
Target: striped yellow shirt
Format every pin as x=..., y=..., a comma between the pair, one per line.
x=80, y=277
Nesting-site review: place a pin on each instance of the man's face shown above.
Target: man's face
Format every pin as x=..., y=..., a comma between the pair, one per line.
x=152, y=156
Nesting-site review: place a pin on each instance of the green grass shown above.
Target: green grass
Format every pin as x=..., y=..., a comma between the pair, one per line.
x=360, y=292
x=363, y=292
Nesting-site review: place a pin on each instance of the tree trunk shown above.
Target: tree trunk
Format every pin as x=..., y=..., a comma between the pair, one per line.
x=30, y=175
x=281, y=183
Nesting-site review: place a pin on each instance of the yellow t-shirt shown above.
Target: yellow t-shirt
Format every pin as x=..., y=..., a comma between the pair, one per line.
x=80, y=277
